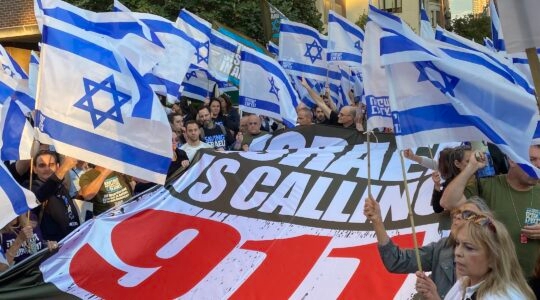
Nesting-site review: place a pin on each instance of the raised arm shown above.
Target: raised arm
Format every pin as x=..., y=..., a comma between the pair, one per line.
x=453, y=194
x=90, y=189
x=318, y=100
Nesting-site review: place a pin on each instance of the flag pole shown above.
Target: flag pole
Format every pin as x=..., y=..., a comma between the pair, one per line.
x=534, y=64
x=368, y=164
x=411, y=217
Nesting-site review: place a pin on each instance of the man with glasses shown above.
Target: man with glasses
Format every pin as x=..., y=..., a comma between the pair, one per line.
x=57, y=213
x=513, y=197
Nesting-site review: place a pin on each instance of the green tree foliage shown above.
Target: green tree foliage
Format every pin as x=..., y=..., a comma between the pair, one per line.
x=362, y=20
x=241, y=15
x=473, y=27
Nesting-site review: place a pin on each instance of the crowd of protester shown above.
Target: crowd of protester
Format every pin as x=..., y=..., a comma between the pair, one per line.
x=481, y=258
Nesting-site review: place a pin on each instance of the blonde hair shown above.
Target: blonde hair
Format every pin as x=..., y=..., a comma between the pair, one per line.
x=504, y=268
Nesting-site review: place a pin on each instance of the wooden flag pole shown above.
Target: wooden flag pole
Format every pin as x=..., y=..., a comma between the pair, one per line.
x=368, y=164
x=534, y=64
x=411, y=217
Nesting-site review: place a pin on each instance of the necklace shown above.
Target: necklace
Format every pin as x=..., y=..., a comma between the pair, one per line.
x=522, y=236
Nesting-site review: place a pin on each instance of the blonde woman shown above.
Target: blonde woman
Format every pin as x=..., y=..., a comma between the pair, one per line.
x=486, y=263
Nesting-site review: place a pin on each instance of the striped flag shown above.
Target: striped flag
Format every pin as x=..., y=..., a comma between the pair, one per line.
x=439, y=96
x=496, y=30
x=95, y=106
x=378, y=112
x=265, y=88
x=345, y=41
x=302, y=51
x=426, y=31
x=14, y=200
x=200, y=30
x=167, y=75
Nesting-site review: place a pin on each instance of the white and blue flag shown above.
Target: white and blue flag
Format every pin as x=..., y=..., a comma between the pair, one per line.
x=97, y=107
x=16, y=132
x=200, y=30
x=265, y=88
x=375, y=83
x=496, y=30
x=480, y=56
x=426, y=30
x=14, y=199
x=168, y=74
x=33, y=69
x=14, y=81
x=197, y=85
x=302, y=51
x=273, y=48
x=438, y=96
x=345, y=41
x=224, y=52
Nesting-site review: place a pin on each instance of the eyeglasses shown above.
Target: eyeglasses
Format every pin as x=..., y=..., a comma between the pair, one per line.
x=483, y=221
x=253, y=123
x=344, y=115
x=463, y=215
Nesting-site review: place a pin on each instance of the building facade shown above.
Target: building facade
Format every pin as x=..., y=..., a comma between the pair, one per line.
x=19, y=32
x=478, y=6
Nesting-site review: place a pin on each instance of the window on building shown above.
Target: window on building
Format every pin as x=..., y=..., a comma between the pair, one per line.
x=393, y=6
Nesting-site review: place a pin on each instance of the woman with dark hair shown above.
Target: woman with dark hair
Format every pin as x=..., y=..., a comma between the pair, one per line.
x=230, y=112
x=451, y=162
x=216, y=113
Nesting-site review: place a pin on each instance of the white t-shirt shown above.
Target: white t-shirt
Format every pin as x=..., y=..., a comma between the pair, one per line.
x=191, y=150
x=456, y=292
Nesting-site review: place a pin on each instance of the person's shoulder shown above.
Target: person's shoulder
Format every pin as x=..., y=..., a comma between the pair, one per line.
x=205, y=145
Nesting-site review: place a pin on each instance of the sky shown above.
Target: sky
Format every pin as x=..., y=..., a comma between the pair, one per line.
x=459, y=8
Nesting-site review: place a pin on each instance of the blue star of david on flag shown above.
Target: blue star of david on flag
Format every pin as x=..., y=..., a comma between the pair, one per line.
x=357, y=45
x=87, y=102
x=191, y=74
x=202, y=52
x=273, y=88
x=309, y=52
x=444, y=82
x=8, y=70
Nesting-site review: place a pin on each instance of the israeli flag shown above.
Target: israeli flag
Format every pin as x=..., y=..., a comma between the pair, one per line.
x=479, y=56
x=357, y=84
x=302, y=50
x=265, y=88
x=96, y=106
x=14, y=82
x=426, y=31
x=17, y=133
x=200, y=30
x=496, y=29
x=339, y=85
x=489, y=44
x=375, y=84
x=272, y=48
x=223, y=53
x=33, y=69
x=197, y=85
x=15, y=104
x=345, y=41
x=445, y=98
x=167, y=75
x=14, y=200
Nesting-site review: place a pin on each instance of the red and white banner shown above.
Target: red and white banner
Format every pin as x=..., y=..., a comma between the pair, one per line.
x=244, y=225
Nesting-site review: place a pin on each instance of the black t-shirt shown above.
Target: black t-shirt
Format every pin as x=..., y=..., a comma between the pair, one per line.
x=60, y=216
